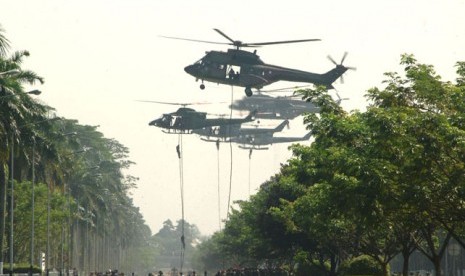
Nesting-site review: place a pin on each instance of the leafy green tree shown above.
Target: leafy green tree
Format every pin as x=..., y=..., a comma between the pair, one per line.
x=176, y=243
x=380, y=182
x=210, y=254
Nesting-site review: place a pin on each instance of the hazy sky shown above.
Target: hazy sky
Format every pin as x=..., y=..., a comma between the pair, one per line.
x=99, y=57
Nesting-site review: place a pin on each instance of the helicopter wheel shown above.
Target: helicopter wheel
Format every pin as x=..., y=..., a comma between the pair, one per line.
x=202, y=86
x=248, y=91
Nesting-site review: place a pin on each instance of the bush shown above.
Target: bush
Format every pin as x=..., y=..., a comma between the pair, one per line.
x=362, y=265
x=20, y=268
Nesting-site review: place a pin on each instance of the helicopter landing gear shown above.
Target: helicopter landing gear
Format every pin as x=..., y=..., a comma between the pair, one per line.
x=248, y=91
x=202, y=86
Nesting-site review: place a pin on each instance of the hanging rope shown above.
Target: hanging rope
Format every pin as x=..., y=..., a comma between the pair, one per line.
x=230, y=151
x=181, y=184
x=219, y=194
x=250, y=165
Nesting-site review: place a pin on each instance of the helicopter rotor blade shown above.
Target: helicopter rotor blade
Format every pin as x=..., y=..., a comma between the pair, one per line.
x=225, y=36
x=347, y=67
x=286, y=89
x=339, y=99
x=239, y=43
x=168, y=103
x=181, y=104
x=279, y=42
x=332, y=60
x=342, y=61
x=343, y=57
x=195, y=40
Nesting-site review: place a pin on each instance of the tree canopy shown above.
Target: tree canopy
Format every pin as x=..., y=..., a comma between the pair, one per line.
x=383, y=182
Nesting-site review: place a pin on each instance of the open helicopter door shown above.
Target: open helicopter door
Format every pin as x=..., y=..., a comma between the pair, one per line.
x=233, y=72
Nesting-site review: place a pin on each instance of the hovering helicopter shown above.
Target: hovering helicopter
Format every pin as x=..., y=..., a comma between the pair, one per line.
x=185, y=120
x=269, y=107
x=237, y=67
x=252, y=138
x=226, y=132
x=260, y=141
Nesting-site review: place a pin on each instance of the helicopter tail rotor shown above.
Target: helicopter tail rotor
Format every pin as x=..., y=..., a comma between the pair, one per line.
x=339, y=99
x=340, y=64
x=340, y=68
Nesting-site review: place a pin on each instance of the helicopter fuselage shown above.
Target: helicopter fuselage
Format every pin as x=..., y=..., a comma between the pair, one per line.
x=269, y=107
x=228, y=132
x=186, y=119
x=267, y=139
x=245, y=69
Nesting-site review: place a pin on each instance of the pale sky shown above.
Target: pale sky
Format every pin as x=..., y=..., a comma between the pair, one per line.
x=99, y=57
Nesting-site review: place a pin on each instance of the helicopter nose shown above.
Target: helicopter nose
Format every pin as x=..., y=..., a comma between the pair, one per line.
x=154, y=123
x=189, y=69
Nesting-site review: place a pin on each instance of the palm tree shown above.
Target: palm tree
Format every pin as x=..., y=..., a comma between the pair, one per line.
x=17, y=109
x=4, y=43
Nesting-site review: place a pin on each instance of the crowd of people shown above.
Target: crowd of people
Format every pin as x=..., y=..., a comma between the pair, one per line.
x=252, y=272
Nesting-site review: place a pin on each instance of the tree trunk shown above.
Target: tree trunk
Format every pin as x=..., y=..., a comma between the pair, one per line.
x=385, y=268
x=334, y=265
x=405, y=266
x=437, y=266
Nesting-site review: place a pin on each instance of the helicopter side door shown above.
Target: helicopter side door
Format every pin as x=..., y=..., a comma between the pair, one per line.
x=233, y=73
x=251, y=76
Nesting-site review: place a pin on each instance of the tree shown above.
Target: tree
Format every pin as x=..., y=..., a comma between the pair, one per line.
x=380, y=182
x=16, y=110
x=176, y=243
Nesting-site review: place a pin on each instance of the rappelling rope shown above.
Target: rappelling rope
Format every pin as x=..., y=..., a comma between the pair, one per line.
x=230, y=150
x=181, y=184
x=219, y=194
x=250, y=165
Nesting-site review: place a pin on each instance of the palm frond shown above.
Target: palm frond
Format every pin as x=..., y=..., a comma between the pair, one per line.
x=4, y=43
x=18, y=56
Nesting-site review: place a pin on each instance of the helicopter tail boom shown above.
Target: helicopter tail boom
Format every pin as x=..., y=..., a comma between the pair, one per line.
x=281, y=126
x=251, y=116
x=335, y=73
x=332, y=75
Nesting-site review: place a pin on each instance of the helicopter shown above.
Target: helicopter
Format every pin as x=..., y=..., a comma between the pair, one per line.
x=226, y=132
x=185, y=120
x=269, y=107
x=251, y=138
x=259, y=142
x=241, y=68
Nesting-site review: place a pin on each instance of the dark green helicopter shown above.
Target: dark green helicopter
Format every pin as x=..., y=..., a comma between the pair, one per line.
x=237, y=67
x=185, y=120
